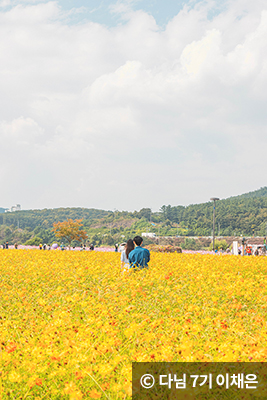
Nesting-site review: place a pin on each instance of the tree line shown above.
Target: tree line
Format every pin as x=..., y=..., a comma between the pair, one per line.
x=240, y=215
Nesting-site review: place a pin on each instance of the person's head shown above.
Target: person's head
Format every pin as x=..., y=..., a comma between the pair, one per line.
x=138, y=240
x=129, y=247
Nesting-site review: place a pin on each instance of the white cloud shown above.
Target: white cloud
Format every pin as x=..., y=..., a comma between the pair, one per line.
x=22, y=130
x=133, y=115
x=4, y=3
x=203, y=53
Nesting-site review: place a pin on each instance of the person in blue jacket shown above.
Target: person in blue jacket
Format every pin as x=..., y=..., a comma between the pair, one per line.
x=139, y=257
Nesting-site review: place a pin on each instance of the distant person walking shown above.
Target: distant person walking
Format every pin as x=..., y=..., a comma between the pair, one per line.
x=140, y=256
x=6, y=245
x=248, y=251
x=125, y=264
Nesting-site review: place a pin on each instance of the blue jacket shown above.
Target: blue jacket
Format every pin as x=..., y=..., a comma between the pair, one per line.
x=139, y=257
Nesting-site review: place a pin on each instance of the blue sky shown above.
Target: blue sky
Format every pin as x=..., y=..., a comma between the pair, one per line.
x=153, y=103
x=100, y=10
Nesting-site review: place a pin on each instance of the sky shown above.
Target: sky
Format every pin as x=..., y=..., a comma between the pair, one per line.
x=131, y=104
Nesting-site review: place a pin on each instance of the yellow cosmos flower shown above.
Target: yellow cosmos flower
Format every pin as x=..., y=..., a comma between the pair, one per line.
x=73, y=330
x=14, y=377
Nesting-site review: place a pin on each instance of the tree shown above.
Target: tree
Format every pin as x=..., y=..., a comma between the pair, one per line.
x=70, y=230
x=35, y=241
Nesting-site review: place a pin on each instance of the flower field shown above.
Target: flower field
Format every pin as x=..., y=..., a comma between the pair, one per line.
x=71, y=323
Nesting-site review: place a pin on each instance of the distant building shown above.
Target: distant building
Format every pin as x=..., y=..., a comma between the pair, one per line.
x=149, y=234
x=17, y=207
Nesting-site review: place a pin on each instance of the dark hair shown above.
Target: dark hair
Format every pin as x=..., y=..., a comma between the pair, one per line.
x=138, y=240
x=129, y=247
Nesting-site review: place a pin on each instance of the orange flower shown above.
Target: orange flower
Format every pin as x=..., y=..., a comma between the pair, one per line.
x=11, y=347
x=94, y=394
x=79, y=375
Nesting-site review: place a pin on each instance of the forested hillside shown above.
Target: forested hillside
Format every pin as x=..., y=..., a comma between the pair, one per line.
x=32, y=219
x=245, y=214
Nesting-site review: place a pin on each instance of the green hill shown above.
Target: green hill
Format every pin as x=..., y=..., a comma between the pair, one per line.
x=262, y=192
x=35, y=218
x=245, y=214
